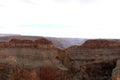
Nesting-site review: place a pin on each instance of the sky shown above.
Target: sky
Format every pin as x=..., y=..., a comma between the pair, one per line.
x=61, y=18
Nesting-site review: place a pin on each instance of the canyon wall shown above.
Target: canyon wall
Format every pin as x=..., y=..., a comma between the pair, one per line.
x=37, y=58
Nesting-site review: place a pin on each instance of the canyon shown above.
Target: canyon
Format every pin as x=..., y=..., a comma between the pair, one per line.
x=45, y=58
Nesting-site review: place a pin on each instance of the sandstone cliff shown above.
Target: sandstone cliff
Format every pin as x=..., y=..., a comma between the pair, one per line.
x=37, y=58
x=102, y=43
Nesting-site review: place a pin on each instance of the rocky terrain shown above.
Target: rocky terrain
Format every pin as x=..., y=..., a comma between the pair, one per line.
x=40, y=58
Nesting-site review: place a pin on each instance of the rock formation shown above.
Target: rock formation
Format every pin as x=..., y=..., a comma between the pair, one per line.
x=37, y=58
x=116, y=71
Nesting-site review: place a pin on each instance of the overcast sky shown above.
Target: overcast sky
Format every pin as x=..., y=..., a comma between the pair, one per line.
x=61, y=18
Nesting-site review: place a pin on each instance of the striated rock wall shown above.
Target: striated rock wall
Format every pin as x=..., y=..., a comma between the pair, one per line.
x=22, y=59
x=101, y=43
x=37, y=58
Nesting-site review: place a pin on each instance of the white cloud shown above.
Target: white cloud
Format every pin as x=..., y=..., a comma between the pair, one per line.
x=81, y=18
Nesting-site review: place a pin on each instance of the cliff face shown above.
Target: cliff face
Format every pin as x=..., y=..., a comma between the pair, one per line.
x=22, y=59
x=94, y=60
x=102, y=43
x=37, y=58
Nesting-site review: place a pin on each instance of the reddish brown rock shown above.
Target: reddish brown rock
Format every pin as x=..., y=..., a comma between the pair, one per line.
x=37, y=58
x=101, y=43
x=43, y=41
x=23, y=59
x=116, y=71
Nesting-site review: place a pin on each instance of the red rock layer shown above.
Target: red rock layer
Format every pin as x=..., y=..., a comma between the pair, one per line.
x=14, y=43
x=38, y=59
x=101, y=43
x=10, y=72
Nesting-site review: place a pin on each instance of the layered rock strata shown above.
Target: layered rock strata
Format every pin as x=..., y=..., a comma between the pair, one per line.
x=37, y=58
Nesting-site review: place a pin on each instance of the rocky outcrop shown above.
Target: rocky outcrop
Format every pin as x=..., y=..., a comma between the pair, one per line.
x=116, y=71
x=26, y=59
x=97, y=71
x=37, y=58
x=94, y=60
x=10, y=72
x=101, y=43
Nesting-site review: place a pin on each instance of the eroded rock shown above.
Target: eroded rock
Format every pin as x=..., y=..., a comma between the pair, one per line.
x=116, y=71
x=37, y=58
